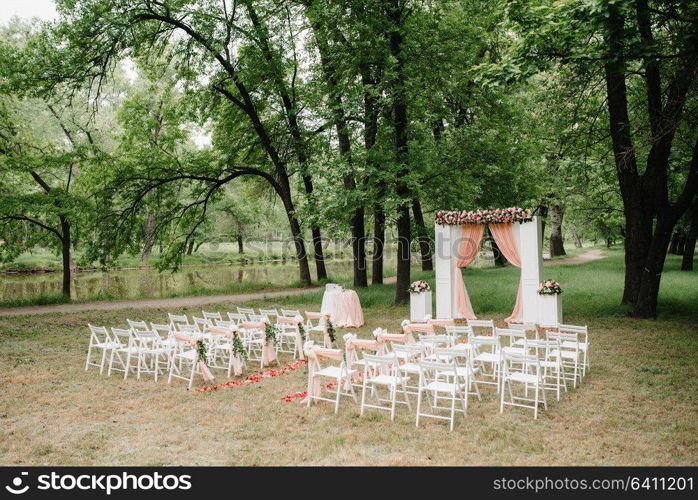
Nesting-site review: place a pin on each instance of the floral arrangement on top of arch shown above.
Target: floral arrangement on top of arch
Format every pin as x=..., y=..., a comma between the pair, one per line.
x=483, y=216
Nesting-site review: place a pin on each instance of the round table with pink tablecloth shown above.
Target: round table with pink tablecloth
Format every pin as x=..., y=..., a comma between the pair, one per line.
x=346, y=310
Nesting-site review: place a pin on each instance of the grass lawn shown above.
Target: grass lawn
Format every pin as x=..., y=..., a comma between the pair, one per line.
x=637, y=406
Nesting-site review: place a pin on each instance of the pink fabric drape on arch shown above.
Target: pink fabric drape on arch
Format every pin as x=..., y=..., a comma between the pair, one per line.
x=468, y=248
x=503, y=234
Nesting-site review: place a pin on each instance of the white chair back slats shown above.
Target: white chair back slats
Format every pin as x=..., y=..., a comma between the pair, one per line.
x=570, y=354
x=238, y=318
x=177, y=319
x=124, y=349
x=269, y=313
x=257, y=317
x=458, y=332
x=487, y=359
x=290, y=313
x=482, y=327
x=245, y=310
x=202, y=323
x=512, y=341
x=212, y=316
x=522, y=370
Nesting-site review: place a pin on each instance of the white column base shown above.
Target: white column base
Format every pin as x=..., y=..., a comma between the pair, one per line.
x=420, y=306
x=550, y=309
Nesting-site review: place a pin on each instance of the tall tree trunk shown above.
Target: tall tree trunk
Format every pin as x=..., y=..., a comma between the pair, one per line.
x=674, y=243
x=399, y=117
x=148, y=238
x=378, y=244
x=577, y=240
x=422, y=235
x=190, y=248
x=65, y=252
x=557, y=246
x=681, y=244
x=648, y=293
x=691, y=237
x=318, y=251
x=241, y=248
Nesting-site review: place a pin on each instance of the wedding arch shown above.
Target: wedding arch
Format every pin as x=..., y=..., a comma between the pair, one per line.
x=458, y=237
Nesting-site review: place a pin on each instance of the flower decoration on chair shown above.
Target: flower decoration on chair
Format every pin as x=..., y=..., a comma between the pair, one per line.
x=239, y=347
x=331, y=332
x=202, y=352
x=301, y=327
x=483, y=216
x=270, y=333
x=419, y=287
x=549, y=287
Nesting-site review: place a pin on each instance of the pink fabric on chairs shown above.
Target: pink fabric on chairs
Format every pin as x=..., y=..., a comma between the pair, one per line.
x=506, y=241
x=403, y=338
x=442, y=322
x=313, y=315
x=268, y=351
x=203, y=367
x=346, y=310
x=468, y=248
x=354, y=344
x=286, y=320
x=314, y=354
x=427, y=328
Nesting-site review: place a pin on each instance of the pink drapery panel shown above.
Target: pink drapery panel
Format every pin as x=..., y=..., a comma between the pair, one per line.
x=468, y=248
x=503, y=234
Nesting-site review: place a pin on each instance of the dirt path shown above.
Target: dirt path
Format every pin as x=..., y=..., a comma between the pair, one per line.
x=582, y=258
x=241, y=298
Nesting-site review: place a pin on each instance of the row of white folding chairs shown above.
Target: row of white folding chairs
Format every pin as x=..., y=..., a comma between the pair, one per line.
x=153, y=349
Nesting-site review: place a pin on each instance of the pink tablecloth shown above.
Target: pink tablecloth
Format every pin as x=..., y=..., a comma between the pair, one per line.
x=346, y=310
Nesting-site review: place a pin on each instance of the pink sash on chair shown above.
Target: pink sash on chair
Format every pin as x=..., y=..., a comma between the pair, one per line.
x=314, y=354
x=205, y=371
x=268, y=351
x=327, y=341
x=442, y=322
x=231, y=332
x=354, y=344
x=427, y=328
x=404, y=338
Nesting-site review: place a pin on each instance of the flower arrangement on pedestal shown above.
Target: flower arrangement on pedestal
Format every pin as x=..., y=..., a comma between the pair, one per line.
x=419, y=287
x=483, y=216
x=549, y=287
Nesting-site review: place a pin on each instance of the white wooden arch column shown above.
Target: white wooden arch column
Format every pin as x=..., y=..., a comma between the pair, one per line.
x=530, y=242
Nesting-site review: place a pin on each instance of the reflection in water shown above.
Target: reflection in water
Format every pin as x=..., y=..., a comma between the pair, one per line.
x=140, y=282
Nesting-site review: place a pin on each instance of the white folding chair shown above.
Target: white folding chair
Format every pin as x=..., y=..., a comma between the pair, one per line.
x=530, y=329
x=319, y=327
x=202, y=323
x=124, y=348
x=184, y=363
x=583, y=332
x=287, y=338
x=380, y=373
x=462, y=356
x=99, y=340
x=526, y=370
x=408, y=356
x=339, y=375
x=257, y=317
x=254, y=340
x=569, y=354
x=487, y=354
x=221, y=350
x=439, y=380
x=148, y=352
x=485, y=326
x=552, y=366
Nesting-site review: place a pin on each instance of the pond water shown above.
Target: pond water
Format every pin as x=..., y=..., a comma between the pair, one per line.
x=132, y=283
